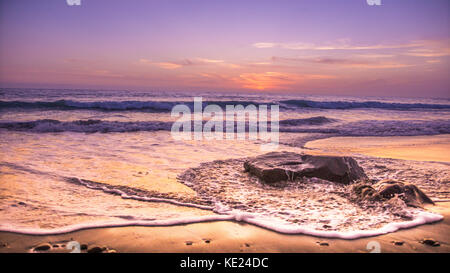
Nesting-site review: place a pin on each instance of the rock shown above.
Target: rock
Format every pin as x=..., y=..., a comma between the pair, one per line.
x=43, y=247
x=280, y=166
x=188, y=243
x=323, y=243
x=392, y=190
x=96, y=249
x=398, y=243
x=409, y=193
x=83, y=246
x=430, y=242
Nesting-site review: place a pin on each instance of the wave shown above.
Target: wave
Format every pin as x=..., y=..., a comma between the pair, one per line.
x=320, y=120
x=222, y=212
x=362, y=104
x=166, y=106
x=421, y=219
x=85, y=126
x=320, y=125
x=147, y=106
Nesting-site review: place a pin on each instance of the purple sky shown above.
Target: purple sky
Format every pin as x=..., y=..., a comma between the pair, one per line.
x=401, y=48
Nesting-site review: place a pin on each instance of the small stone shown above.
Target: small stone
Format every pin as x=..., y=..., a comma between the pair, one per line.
x=430, y=242
x=42, y=247
x=95, y=249
x=83, y=246
x=324, y=244
x=327, y=226
x=398, y=243
x=111, y=251
x=247, y=245
x=188, y=243
x=207, y=241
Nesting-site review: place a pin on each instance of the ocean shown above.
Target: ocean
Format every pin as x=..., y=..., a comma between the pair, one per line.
x=74, y=159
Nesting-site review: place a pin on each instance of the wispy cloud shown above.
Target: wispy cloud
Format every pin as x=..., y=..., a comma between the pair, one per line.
x=426, y=52
x=185, y=62
x=343, y=62
x=338, y=45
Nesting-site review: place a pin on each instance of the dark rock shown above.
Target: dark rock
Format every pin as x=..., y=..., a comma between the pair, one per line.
x=43, y=247
x=430, y=242
x=409, y=193
x=390, y=189
x=398, y=243
x=188, y=243
x=280, y=166
x=323, y=243
x=96, y=249
x=83, y=246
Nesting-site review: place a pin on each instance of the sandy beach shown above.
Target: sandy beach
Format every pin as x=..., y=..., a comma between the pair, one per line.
x=240, y=237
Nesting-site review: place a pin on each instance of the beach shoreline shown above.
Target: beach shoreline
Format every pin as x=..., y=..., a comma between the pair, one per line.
x=233, y=237
x=237, y=237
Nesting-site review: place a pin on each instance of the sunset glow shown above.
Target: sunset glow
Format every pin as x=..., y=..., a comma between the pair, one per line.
x=401, y=46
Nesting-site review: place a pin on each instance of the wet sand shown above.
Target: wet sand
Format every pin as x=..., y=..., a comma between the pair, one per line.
x=239, y=237
x=234, y=237
x=420, y=148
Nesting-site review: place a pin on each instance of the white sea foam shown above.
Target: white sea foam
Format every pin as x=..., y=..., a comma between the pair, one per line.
x=271, y=224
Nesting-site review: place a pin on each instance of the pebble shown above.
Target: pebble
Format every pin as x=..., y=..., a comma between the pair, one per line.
x=188, y=243
x=398, y=243
x=96, y=249
x=43, y=247
x=430, y=242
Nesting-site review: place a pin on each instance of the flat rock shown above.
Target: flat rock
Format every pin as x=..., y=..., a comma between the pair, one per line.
x=282, y=166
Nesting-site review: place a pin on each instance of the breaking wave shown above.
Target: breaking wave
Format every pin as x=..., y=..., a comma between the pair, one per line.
x=318, y=124
x=361, y=104
x=166, y=106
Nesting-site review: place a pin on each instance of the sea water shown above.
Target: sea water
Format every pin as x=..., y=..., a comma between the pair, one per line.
x=73, y=159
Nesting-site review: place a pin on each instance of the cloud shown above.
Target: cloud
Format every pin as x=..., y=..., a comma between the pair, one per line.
x=426, y=52
x=338, y=45
x=169, y=65
x=275, y=80
x=342, y=62
x=209, y=61
x=187, y=62
x=144, y=61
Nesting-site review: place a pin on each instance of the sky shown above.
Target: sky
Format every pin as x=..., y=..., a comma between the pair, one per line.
x=345, y=47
